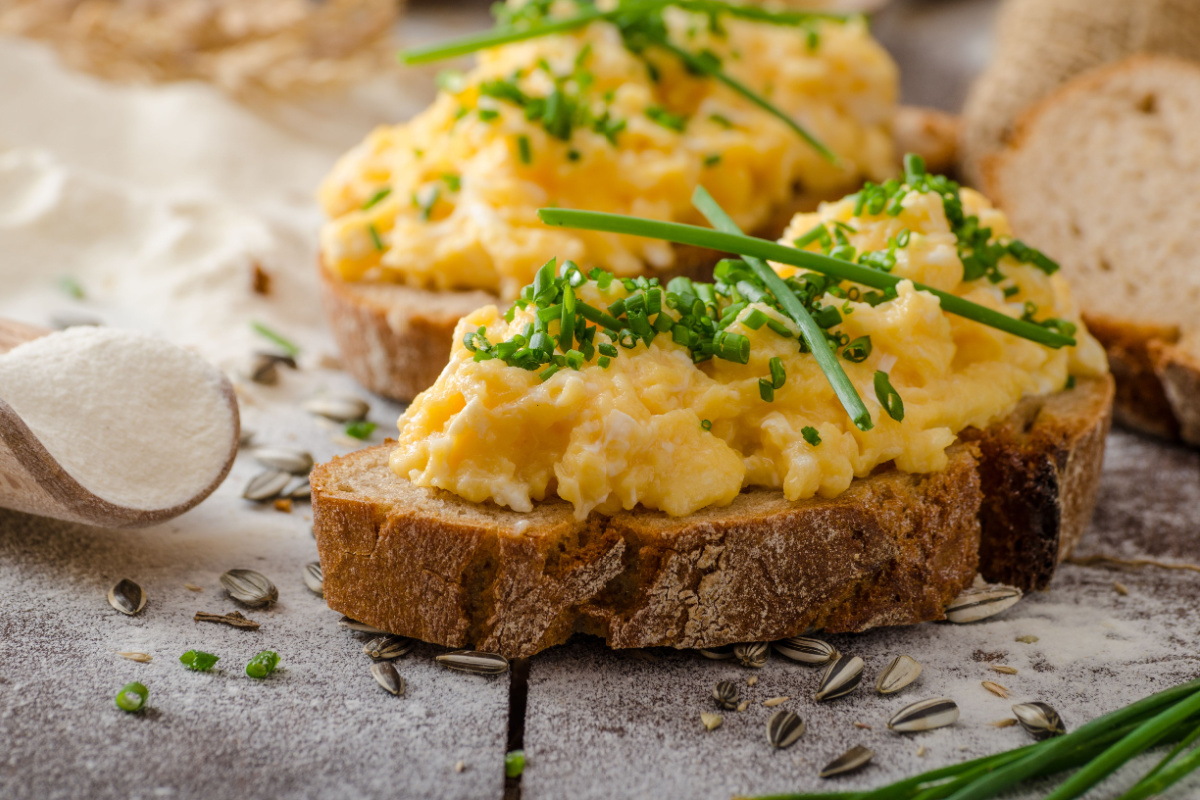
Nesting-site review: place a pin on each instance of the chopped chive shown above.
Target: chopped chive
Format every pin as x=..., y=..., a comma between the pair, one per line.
x=514, y=763
x=524, y=150
x=706, y=424
x=766, y=391
x=603, y=362
x=888, y=397
x=375, y=240
x=857, y=350
x=712, y=159
x=453, y=182
x=377, y=198
x=721, y=120
x=132, y=697
x=360, y=429
x=778, y=373
x=488, y=114
x=270, y=335
x=674, y=122
x=71, y=287
x=810, y=435
x=198, y=660
x=262, y=664
x=548, y=373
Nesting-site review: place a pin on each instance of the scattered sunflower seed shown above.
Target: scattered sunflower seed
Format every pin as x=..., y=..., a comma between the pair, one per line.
x=726, y=694
x=753, y=679
x=841, y=677
x=266, y=485
x=1027, y=639
x=742, y=706
x=1008, y=722
x=127, y=597
x=854, y=758
x=1004, y=669
x=863, y=726
x=233, y=619
x=360, y=627
x=711, y=721
x=134, y=655
x=385, y=648
x=250, y=587
x=245, y=437
x=474, y=661
x=300, y=490
x=460, y=766
x=995, y=688
x=339, y=408
x=264, y=367
x=387, y=677
x=900, y=673
x=191, y=587
x=982, y=602
x=775, y=701
x=1120, y=588
x=784, y=728
x=720, y=653
x=921, y=751
x=924, y=715
x=1039, y=720
x=752, y=654
x=807, y=651
x=314, y=579
x=297, y=462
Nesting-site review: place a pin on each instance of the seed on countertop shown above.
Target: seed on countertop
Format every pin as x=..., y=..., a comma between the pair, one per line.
x=726, y=694
x=813, y=652
x=711, y=721
x=359, y=627
x=1004, y=723
x=249, y=587
x=245, y=437
x=854, y=758
x=752, y=654
x=266, y=485
x=461, y=766
x=191, y=587
x=753, y=679
x=742, y=706
x=775, y=701
x=1039, y=720
x=264, y=367
x=134, y=655
x=339, y=408
x=901, y=672
x=841, y=677
x=385, y=648
x=1004, y=669
x=784, y=728
x=300, y=490
x=995, y=688
x=1120, y=588
x=314, y=579
x=387, y=677
x=233, y=619
x=127, y=597
x=924, y=715
x=921, y=751
x=979, y=603
x=864, y=726
x=474, y=661
x=1027, y=639
x=297, y=462
x=720, y=653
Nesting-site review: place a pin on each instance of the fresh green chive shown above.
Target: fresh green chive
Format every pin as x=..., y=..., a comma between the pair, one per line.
x=766, y=391
x=514, y=763
x=712, y=159
x=377, y=198
x=524, y=150
x=198, y=660
x=674, y=122
x=360, y=429
x=721, y=120
x=548, y=372
x=453, y=182
x=375, y=240
x=778, y=373
x=271, y=336
x=888, y=397
x=755, y=319
x=857, y=350
x=603, y=362
x=706, y=424
x=262, y=664
x=488, y=114
x=132, y=697
x=71, y=287
x=810, y=435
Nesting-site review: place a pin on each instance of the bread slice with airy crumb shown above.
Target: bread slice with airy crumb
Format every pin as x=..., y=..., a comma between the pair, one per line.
x=1104, y=177
x=893, y=549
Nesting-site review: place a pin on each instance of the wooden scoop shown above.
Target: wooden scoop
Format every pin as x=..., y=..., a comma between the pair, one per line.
x=33, y=481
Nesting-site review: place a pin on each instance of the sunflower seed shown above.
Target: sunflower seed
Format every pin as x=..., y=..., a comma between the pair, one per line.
x=980, y=603
x=296, y=462
x=266, y=485
x=841, y=677
x=133, y=655
x=191, y=587
x=742, y=706
x=921, y=751
x=924, y=715
x=726, y=694
x=339, y=408
x=1120, y=588
x=300, y=490
x=854, y=758
x=249, y=587
x=1004, y=723
x=385, y=648
x=752, y=654
x=753, y=679
x=474, y=661
x=314, y=579
x=1027, y=639
x=264, y=367
x=807, y=651
x=784, y=728
x=863, y=726
x=900, y=673
x=1004, y=668
x=360, y=627
x=127, y=597
x=387, y=677
x=995, y=688
x=719, y=653
x=1039, y=720
x=711, y=721
x=775, y=701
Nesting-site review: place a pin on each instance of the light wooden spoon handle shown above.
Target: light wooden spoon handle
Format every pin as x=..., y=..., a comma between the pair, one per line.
x=14, y=333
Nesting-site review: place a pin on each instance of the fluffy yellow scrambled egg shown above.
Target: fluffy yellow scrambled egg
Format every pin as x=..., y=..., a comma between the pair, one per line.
x=657, y=429
x=448, y=200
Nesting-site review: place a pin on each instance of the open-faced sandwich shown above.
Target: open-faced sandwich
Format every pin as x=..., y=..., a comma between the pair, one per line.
x=904, y=397
x=624, y=106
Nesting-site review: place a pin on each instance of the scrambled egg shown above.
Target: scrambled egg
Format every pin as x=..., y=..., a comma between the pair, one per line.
x=656, y=429
x=448, y=200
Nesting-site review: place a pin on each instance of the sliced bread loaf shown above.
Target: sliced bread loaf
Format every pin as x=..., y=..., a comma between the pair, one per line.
x=1104, y=176
x=893, y=549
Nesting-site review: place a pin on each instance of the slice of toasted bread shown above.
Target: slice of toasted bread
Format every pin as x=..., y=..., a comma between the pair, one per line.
x=893, y=549
x=1102, y=176
x=395, y=339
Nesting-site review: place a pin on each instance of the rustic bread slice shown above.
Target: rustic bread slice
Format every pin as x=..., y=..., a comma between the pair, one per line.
x=891, y=550
x=1103, y=176
x=395, y=339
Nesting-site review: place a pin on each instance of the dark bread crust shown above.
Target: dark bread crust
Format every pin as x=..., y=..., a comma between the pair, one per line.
x=891, y=550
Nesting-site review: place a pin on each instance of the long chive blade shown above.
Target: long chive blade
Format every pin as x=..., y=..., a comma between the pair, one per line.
x=757, y=14
x=1160, y=778
x=814, y=337
x=1171, y=756
x=482, y=41
x=750, y=246
x=270, y=335
x=702, y=66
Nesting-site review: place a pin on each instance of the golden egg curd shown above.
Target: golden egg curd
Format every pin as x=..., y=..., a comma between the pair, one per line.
x=612, y=393
x=590, y=118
